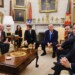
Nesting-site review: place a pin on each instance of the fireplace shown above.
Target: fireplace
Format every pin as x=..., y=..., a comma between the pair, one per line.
x=40, y=30
x=41, y=36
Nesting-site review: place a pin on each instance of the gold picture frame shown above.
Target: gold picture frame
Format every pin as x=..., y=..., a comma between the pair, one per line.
x=20, y=15
x=19, y=3
x=1, y=17
x=74, y=1
x=47, y=6
x=1, y=3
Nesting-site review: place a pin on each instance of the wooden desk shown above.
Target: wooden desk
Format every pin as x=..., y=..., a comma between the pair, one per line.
x=17, y=64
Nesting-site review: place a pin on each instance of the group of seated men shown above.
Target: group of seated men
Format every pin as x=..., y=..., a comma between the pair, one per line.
x=65, y=51
x=50, y=39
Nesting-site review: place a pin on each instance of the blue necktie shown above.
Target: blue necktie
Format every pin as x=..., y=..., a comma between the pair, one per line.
x=50, y=35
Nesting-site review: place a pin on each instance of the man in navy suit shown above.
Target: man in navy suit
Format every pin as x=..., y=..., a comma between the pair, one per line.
x=4, y=45
x=50, y=39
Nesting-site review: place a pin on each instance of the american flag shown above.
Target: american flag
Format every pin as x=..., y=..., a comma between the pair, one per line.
x=68, y=14
x=29, y=13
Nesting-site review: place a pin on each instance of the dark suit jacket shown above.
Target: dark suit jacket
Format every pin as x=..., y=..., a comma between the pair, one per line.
x=18, y=33
x=31, y=38
x=73, y=67
x=68, y=44
x=71, y=57
x=3, y=36
x=54, y=37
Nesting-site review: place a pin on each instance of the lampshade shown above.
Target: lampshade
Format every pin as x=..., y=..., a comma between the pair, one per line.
x=8, y=20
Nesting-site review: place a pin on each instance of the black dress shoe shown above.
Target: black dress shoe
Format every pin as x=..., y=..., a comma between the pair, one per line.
x=43, y=54
x=55, y=63
x=53, y=68
x=53, y=56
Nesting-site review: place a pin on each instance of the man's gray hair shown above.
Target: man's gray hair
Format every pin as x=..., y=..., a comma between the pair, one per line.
x=50, y=25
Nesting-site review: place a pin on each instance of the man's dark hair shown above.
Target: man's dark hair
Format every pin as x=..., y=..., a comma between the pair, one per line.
x=73, y=24
x=69, y=26
x=30, y=26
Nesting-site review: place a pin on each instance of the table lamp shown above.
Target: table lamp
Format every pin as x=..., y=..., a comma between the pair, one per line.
x=8, y=22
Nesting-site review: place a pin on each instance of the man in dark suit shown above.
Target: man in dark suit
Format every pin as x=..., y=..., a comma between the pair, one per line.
x=50, y=39
x=30, y=37
x=68, y=61
x=66, y=46
x=4, y=45
x=68, y=31
x=70, y=56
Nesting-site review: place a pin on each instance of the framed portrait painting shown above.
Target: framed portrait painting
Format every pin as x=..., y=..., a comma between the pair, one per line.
x=48, y=6
x=19, y=15
x=74, y=1
x=1, y=3
x=19, y=3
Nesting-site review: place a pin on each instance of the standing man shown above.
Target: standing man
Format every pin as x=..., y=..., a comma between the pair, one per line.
x=4, y=45
x=50, y=39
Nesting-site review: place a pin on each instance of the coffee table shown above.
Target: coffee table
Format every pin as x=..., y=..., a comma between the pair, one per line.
x=16, y=65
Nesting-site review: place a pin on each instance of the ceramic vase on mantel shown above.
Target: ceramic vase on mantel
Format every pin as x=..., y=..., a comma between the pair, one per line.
x=34, y=20
x=62, y=20
x=52, y=18
x=38, y=20
x=47, y=18
x=43, y=20
x=56, y=20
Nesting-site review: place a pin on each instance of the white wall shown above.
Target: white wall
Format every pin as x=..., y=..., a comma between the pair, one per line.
x=62, y=5
x=61, y=9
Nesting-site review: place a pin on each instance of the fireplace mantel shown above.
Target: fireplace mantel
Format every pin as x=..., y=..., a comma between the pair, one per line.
x=41, y=28
x=46, y=24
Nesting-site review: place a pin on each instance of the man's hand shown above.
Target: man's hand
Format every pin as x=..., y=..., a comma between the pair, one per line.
x=6, y=42
x=49, y=44
x=59, y=48
x=64, y=61
x=58, y=45
x=26, y=43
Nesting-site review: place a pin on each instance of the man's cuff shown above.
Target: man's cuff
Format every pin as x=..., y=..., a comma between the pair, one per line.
x=70, y=66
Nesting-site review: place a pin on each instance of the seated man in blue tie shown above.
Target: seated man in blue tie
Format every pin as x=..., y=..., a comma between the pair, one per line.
x=50, y=39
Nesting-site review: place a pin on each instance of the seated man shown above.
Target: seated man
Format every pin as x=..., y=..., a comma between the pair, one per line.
x=30, y=37
x=70, y=56
x=4, y=45
x=66, y=63
x=66, y=46
x=50, y=39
